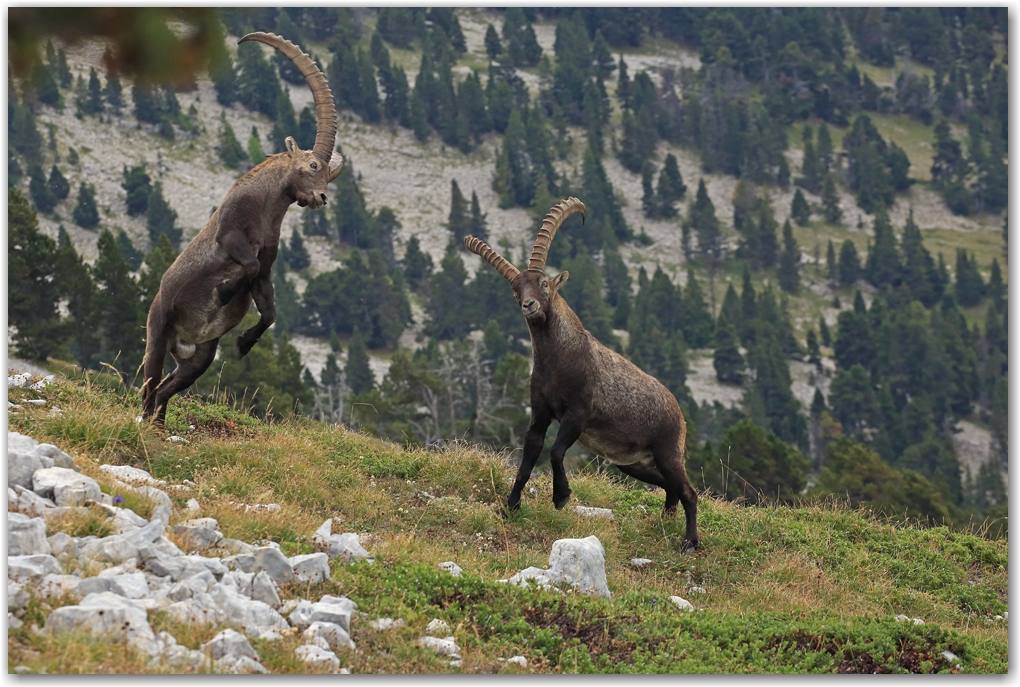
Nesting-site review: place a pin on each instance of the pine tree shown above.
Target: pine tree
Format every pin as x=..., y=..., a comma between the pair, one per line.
x=830, y=262
x=731, y=307
x=883, y=263
x=45, y=86
x=493, y=47
x=748, y=307
x=224, y=77
x=58, y=184
x=583, y=291
x=824, y=149
x=297, y=255
x=726, y=359
x=809, y=166
x=417, y=265
x=42, y=195
x=118, y=306
x=75, y=284
x=768, y=243
x=357, y=371
x=696, y=322
x=229, y=149
x=459, y=222
x=132, y=256
x=307, y=128
x=789, y=261
x=114, y=91
x=33, y=282
x=823, y=329
x=419, y=122
x=157, y=261
x=85, y=213
x=849, y=264
x=830, y=201
x=623, y=84
x=814, y=353
x=160, y=218
x=447, y=296
x=369, y=89
x=799, y=210
x=703, y=220
x=648, y=199
x=671, y=186
x=996, y=290
x=255, y=153
x=136, y=184
x=477, y=226
x=970, y=287
x=918, y=266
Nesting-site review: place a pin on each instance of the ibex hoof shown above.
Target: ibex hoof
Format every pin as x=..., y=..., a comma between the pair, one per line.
x=561, y=500
x=688, y=545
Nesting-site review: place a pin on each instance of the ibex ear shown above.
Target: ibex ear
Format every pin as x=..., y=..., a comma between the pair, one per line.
x=292, y=146
x=559, y=280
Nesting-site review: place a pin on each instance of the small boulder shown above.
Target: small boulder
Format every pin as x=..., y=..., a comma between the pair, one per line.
x=53, y=586
x=25, y=568
x=65, y=486
x=133, y=477
x=274, y=563
x=640, y=562
x=264, y=589
x=229, y=644
x=59, y=458
x=331, y=609
x=25, y=535
x=592, y=512
x=437, y=626
x=516, y=660
x=310, y=568
x=318, y=657
x=443, y=647
x=21, y=467
x=681, y=603
x=452, y=568
x=30, y=503
x=381, y=624
x=195, y=535
x=335, y=637
x=106, y=613
x=17, y=597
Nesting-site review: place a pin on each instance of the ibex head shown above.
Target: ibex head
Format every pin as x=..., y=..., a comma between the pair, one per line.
x=534, y=291
x=311, y=170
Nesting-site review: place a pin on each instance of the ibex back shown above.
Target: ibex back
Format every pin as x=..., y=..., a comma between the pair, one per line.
x=599, y=397
x=209, y=288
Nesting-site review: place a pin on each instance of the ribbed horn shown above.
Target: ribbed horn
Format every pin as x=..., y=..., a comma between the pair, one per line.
x=502, y=265
x=325, y=109
x=551, y=223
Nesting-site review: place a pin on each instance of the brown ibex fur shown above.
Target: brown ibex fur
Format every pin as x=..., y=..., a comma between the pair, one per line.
x=209, y=288
x=599, y=397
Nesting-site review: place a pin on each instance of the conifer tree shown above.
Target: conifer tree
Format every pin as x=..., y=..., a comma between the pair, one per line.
x=789, y=261
x=477, y=225
x=648, y=199
x=731, y=307
x=33, y=282
x=369, y=90
x=255, y=153
x=118, y=305
x=42, y=195
x=799, y=210
x=814, y=353
x=160, y=218
x=603, y=60
x=809, y=166
x=824, y=149
x=970, y=287
x=830, y=262
x=132, y=256
x=883, y=263
x=157, y=260
x=447, y=295
x=417, y=265
x=618, y=283
x=113, y=92
x=63, y=70
x=494, y=341
x=223, y=74
x=823, y=329
x=419, y=123
x=671, y=186
x=85, y=213
x=996, y=290
x=830, y=201
x=136, y=184
x=75, y=284
x=918, y=266
x=623, y=84
x=726, y=359
x=297, y=255
x=229, y=149
x=584, y=293
x=459, y=222
x=696, y=322
x=357, y=371
x=768, y=243
x=58, y=184
x=605, y=213
x=703, y=220
x=849, y=263
x=493, y=47
x=748, y=307
x=307, y=128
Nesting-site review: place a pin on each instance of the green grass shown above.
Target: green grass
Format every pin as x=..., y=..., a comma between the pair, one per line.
x=808, y=589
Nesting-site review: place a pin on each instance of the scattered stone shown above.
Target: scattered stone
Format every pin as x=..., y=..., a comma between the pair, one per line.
x=275, y=564
x=53, y=586
x=918, y=621
x=592, y=512
x=443, y=647
x=229, y=644
x=452, y=568
x=346, y=546
x=17, y=598
x=381, y=624
x=65, y=486
x=133, y=477
x=640, y=562
x=951, y=657
x=25, y=568
x=580, y=563
x=198, y=534
x=310, y=568
x=681, y=603
x=177, y=439
x=106, y=613
x=36, y=401
x=1005, y=615
x=59, y=458
x=191, y=586
x=456, y=663
x=330, y=609
x=21, y=467
x=698, y=590
x=517, y=660
x=436, y=626
x=193, y=505
x=25, y=535
x=902, y=618
x=318, y=657
x=264, y=589
x=334, y=636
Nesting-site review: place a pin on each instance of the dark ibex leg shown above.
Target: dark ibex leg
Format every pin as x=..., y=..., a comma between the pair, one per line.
x=239, y=250
x=184, y=376
x=157, y=334
x=669, y=460
x=570, y=430
x=533, y=442
x=264, y=296
x=647, y=475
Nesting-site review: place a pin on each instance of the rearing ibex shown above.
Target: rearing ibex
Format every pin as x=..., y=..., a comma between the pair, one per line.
x=209, y=288
x=599, y=397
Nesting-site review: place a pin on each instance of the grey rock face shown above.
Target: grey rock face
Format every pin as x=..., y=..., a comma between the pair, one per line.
x=31, y=504
x=318, y=657
x=21, y=467
x=382, y=624
x=191, y=586
x=274, y=563
x=229, y=644
x=106, y=613
x=65, y=486
x=25, y=535
x=264, y=589
x=592, y=512
x=310, y=568
x=443, y=647
x=59, y=458
x=198, y=537
x=133, y=477
x=17, y=598
x=25, y=568
x=331, y=609
x=334, y=636
x=345, y=546
x=580, y=563
x=19, y=442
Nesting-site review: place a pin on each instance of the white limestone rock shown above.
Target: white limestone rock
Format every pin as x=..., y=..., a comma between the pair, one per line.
x=21, y=467
x=444, y=647
x=17, y=598
x=681, y=603
x=274, y=563
x=640, y=562
x=452, y=568
x=382, y=624
x=310, y=568
x=106, y=613
x=264, y=589
x=318, y=657
x=331, y=609
x=346, y=546
x=65, y=486
x=59, y=458
x=34, y=567
x=437, y=626
x=26, y=536
x=53, y=586
x=133, y=477
x=592, y=512
x=334, y=636
x=580, y=563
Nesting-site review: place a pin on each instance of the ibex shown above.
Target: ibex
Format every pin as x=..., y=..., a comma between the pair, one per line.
x=209, y=288
x=599, y=397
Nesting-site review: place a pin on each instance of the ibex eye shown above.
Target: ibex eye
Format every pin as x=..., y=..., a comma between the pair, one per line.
x=314, y=165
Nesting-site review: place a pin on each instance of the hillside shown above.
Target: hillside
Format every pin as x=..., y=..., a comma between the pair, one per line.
x=814, y=588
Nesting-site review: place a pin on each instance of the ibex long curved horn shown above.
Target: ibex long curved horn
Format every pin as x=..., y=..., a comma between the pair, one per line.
x=325, y=108
x=502, y=265
x=551, y=223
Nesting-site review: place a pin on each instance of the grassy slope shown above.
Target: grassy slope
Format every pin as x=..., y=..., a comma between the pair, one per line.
x=788, y=590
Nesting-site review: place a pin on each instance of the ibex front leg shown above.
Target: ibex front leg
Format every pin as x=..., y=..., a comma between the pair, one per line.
x=235, y=243
x=265, y=300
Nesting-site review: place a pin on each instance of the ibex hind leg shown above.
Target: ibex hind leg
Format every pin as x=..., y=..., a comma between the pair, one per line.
x=670, y=462
x=187, y=372
x=157, y=337
x=264, y=296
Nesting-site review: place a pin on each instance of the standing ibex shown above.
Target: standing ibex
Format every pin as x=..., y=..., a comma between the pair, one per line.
x=599, y=397
x=209, y=288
